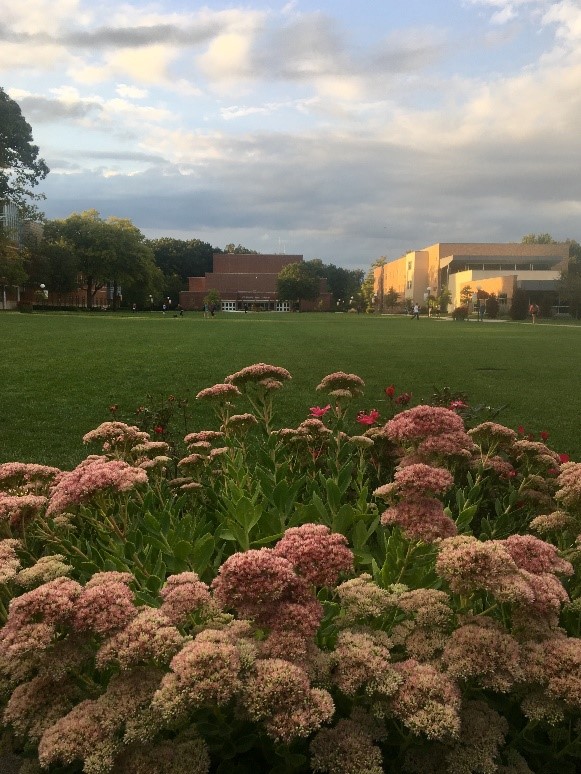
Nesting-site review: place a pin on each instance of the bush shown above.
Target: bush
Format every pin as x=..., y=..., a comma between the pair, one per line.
x=260, y=611
x=25, y=306
x=460, y=313
x=520, y=305
x=492, y=307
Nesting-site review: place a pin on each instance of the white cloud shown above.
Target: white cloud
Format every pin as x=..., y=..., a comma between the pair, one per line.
x=131, y=92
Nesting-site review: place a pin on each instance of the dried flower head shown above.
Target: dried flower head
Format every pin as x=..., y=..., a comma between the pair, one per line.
x=256, y=373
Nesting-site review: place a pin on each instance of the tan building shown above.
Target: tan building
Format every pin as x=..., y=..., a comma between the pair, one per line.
x=498, y=268
x=248, y=281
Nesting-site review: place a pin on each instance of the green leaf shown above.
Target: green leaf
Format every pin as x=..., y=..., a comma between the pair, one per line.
x=154, y=584
x=202, y=552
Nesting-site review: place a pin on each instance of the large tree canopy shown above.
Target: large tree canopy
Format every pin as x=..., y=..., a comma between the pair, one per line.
x=298, y=282
x=111, y=251
x=191, y=258
x=20, y=167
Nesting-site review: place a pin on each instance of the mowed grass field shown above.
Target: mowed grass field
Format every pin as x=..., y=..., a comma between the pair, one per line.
x=60, y=372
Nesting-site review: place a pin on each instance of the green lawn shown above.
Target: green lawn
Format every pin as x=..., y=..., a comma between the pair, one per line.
x=60, y=372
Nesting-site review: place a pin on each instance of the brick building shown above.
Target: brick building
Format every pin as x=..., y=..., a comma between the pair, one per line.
x=248, y=281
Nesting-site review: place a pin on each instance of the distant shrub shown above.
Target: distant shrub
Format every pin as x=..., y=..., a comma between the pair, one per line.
x=460, y=313
x=492, y=307
x=25, y=306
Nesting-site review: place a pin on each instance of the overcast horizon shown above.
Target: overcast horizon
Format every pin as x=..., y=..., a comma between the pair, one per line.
x=338, y=130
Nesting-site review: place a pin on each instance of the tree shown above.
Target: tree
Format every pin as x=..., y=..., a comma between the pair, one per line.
x=391, y=297
x=239, y=249
x=21, y=169
x=520, y=305
x=492, y=307
x=444, y=299
x=569, y=287
x=342, y=283
x=106, y=251
x=537, y=239
x=367, y=292
x=191, y=258
x=465, y=295
x=212, y=298
x=297, y=282
x=12, y=271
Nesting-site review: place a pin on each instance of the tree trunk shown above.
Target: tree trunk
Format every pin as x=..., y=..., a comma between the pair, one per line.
x=89, y=292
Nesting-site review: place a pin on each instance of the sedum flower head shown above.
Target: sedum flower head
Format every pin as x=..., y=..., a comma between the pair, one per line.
x=316, y=553
x=148, y=637
x=427, y=701
x=341, y=385
x=422, y=422
x=17, y=509
x=47, y=568
x=184, y=594
x=92, y=476
x=259, y=372
x=9, y=561
x=347, y=748
x=421, y=478
x=219, y=393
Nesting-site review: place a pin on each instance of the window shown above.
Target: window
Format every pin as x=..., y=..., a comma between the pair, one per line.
x=228, y=306
x=409, y=265
x=409, y=285
x=282, y=306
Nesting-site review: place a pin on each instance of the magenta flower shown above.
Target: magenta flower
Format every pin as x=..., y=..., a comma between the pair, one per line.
x=368, y=419
x=318, y=411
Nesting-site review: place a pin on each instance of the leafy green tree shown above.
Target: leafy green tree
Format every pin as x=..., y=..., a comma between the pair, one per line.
x=12, y=271
x=342, y=283
x=537, y=239
x=21, y=169
x=212, y=297
x=239, y=249
x=184, y=258
x=444, y=299
x=297, y=282
x=109, y=251
x=365, y=297
x=465, y=295
x=391, y=298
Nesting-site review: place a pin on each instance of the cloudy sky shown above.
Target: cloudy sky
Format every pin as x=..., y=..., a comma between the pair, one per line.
x=344, y=130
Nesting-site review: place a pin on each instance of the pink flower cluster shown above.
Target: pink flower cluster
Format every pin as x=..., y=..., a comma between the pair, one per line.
x=92, y=476
x=259, y=372
x=420, y=515
x=569, y=481
x=421, y=478
x=220, y=393
x=17, y=509
x=279, y=694
x=422, y=422
x=339, y=380
x=316, y=553
x=9, y=561
x=519, y=570
x=116, y=437
x=184, y=595
x=347, y=747
x=420, y=518
x=427, y=701
x=23, y=477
